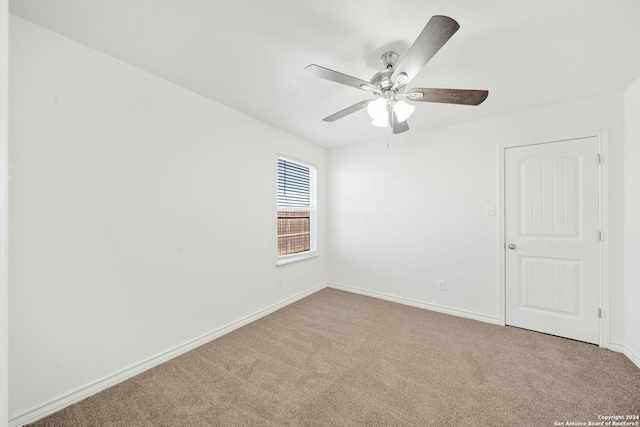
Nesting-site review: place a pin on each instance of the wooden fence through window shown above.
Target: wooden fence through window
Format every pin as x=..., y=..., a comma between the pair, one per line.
x=293, y=232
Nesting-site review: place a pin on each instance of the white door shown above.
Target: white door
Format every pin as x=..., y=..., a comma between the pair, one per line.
x=552, y=238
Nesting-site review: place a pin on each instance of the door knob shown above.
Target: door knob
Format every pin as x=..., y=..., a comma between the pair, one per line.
x=511, y=246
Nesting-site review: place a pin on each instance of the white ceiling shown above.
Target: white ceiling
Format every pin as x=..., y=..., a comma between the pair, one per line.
x=250, y=54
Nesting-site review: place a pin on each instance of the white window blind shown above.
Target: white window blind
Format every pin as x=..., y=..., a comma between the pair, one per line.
x=293, y=184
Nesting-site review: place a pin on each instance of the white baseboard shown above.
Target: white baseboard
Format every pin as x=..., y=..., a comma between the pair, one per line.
x=77, y=395
x=615, y=346
x=633, y=356
x=621, y=348
x=416, y=303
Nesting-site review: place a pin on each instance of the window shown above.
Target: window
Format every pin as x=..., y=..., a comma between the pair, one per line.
x=296, y=210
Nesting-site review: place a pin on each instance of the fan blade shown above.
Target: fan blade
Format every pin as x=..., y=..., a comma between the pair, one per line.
x=435, y=34
x=450, y=96
x=349, y=110
x=398, y=127
x=334, y=76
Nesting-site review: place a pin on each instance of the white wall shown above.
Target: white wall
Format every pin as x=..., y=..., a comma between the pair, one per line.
x=632, y=221
x=4, y=303
x=427, y=195
x=142, y=217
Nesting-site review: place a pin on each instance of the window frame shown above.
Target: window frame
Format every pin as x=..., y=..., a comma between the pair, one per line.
x=283, y=260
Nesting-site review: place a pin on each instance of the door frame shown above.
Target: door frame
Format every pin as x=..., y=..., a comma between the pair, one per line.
x=4, y=213
x=603, y=251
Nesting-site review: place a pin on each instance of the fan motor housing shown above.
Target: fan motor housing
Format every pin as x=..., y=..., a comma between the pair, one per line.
x=383, y=79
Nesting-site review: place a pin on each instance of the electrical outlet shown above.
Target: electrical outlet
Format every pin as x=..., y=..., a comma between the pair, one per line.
x=441, y=285
x=280, y=283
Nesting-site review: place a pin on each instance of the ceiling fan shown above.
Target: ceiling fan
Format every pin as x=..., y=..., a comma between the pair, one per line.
x=388, y=85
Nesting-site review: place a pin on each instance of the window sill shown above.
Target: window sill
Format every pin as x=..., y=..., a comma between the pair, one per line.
x=285, y=261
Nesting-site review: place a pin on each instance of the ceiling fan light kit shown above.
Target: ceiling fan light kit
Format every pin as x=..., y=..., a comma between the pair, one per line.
x=378, y=111
x=386, y=110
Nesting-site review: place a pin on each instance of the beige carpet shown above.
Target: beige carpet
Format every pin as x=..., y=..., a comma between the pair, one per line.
x=340, y=359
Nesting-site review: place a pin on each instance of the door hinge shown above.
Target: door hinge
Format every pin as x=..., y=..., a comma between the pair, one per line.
x=600, y=236
x=599, y=158
x=599, y=313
